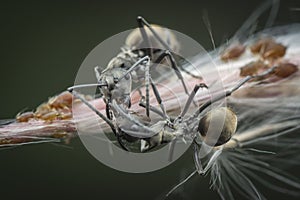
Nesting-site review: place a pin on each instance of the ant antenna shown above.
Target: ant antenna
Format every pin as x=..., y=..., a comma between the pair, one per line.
x=70, y=89
x=135, y=65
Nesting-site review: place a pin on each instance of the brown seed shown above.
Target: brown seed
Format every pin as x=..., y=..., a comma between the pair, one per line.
x=50, y=116
x=25, y=117
x=268, y=48
x=252, y=68
x=42, y=109
x=61, y=100
x=260, y=44
x=233, y=52
x=59, y=135
x=285, y=69
x=65, y=115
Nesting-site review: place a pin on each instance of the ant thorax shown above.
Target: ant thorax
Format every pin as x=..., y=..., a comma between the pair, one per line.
x=126, y=58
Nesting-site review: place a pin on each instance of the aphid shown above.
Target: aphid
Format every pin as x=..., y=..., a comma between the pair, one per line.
x=234, y=51
x=268, y=48
x=141, y=52
x=238, y=47
x=270, y=52
x=58, y=107
x=49, y=116
x=253, y=68
x=285, y=70
x=61, y=101
x=24, y=117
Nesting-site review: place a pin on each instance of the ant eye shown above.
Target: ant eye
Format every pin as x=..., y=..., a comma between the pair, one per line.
x=156, y=50
x=218, y=126
x=116, y=80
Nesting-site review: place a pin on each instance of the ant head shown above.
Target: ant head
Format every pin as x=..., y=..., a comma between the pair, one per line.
x=108, y=81
x=115, y=81
x=122, y=60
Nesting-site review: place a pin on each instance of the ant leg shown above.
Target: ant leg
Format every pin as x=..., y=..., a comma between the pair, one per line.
x=107, y=110
x=147, y=82
x=142, y=22
x=159, y=100
x=229, y=92
x=190, y=99
x=95, y=110
x=144, y=132
x=173, y=65
x=101, y=116
x=153, y=109
x=189, y=73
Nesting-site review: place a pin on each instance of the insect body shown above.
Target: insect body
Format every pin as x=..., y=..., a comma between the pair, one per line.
x=212, y=119
x=133, y=64
x=168, y=129
x=115, y=83
x=143, y=49
x=158, y=39
x=118, y=89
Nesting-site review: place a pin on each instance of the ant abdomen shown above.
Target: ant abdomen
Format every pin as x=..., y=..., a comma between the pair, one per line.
x=218, y=126
x=135, y=39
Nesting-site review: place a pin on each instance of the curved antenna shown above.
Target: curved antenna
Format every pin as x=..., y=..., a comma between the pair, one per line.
x=70, y=89
x=135, y=65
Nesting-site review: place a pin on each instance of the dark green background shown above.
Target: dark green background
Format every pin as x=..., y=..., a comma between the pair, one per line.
x=43, y=45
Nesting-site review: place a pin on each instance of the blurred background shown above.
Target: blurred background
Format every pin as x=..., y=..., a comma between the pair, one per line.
x=42, y=46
